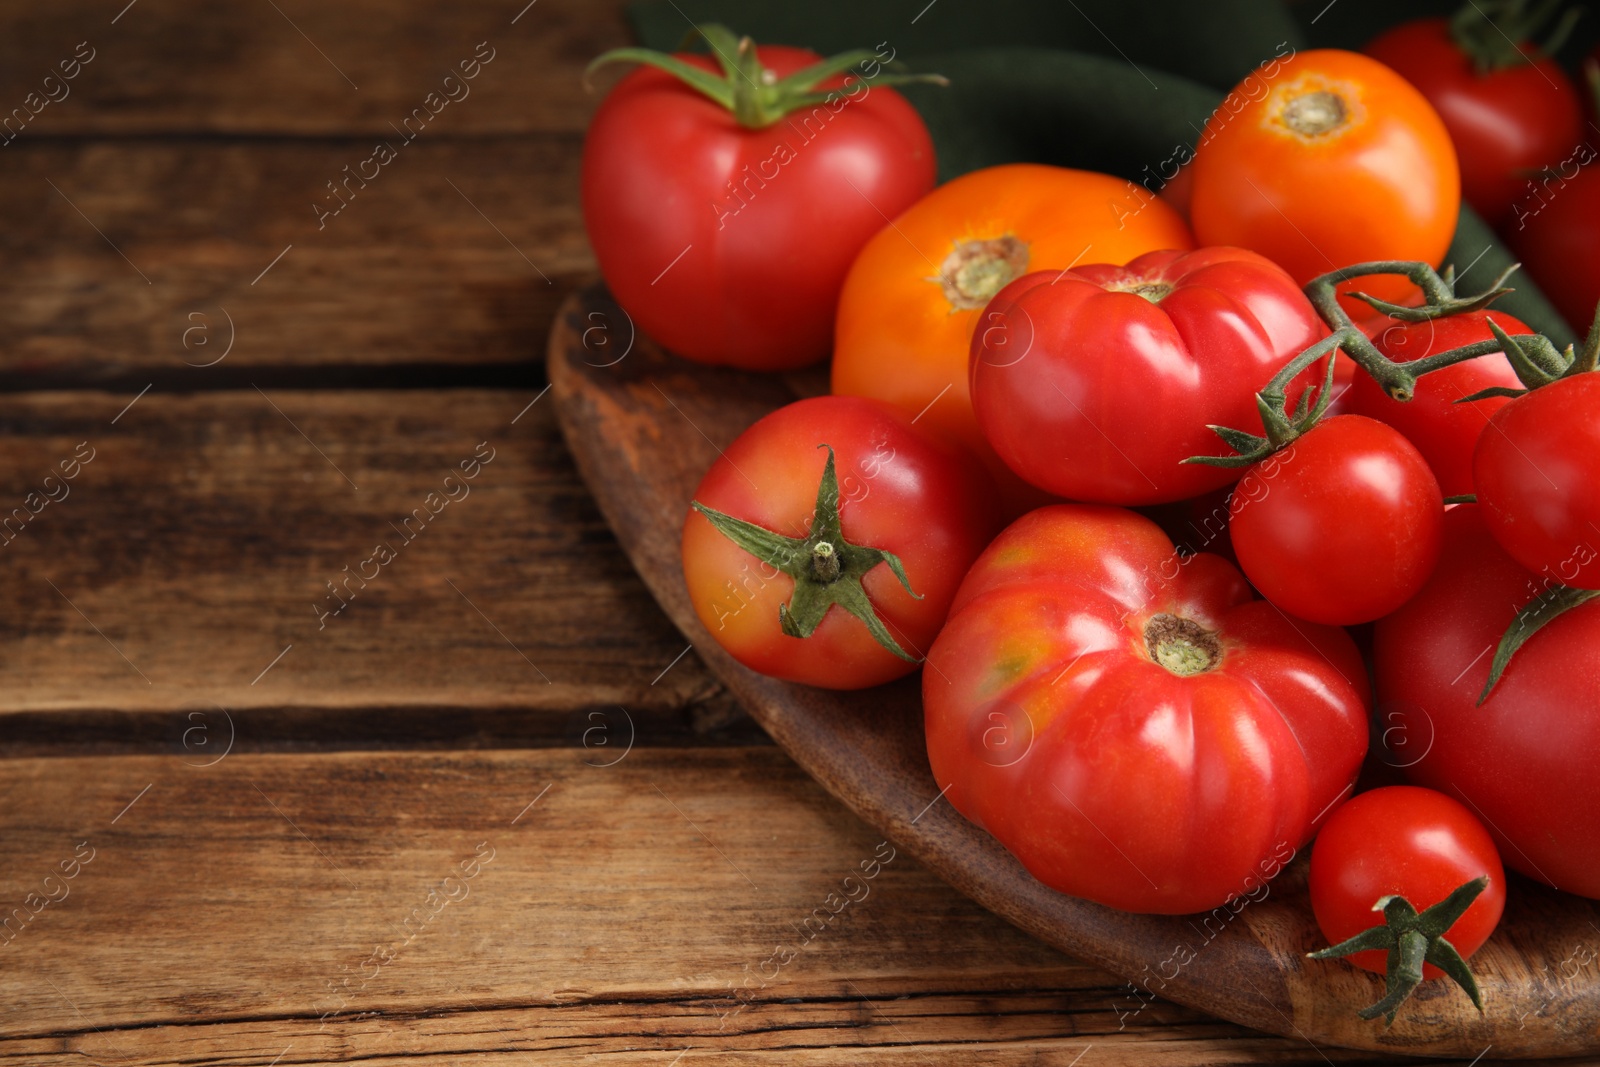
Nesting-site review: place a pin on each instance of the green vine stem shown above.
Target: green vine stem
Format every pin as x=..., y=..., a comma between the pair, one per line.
x=754, y=95
x=1283, y=425
x=1496, y=34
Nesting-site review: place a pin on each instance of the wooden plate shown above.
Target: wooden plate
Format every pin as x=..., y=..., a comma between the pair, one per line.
x=645, y=426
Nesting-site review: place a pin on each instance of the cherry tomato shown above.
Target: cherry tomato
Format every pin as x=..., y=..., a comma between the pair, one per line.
x=1348, y=526
x=1556, y=230
x=1443, y=430
x=1096, y=383
x=918, y=289
x=1519, y=760
x=1537, y=468
x=898, y=490
x=1339, y=162
x=1128, y=722
x=1506, y=122
x=1407, y=841
x=729, y=243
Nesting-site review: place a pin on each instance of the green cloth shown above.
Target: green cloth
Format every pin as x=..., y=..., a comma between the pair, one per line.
x=1104, y=85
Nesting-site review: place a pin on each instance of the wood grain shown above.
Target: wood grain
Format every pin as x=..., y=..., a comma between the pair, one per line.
x=457, y=254
x=191, y=550
x=618, y=917
x=645, y=430
x=187, y=68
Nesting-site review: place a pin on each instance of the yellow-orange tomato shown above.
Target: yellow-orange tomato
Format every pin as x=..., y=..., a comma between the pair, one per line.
x=1339, y=161
x=917, y=290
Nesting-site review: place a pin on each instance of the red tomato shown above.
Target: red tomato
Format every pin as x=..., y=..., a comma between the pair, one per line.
x=1519, y=761
x=1095, y=383
x=1506, y=123
x=1338, y=160
x=898, y=490
x=1128, y=722
x=1348, y=526
x=1556, y=232
x=1406, y=841
x=1443, y=430
x=1538, y=476
x=729, y=244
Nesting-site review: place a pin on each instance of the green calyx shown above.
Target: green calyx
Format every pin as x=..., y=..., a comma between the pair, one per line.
x=1496, y=34
x=1412, y=939
x=1538, y=362
x=826, y=569
x=756, y=96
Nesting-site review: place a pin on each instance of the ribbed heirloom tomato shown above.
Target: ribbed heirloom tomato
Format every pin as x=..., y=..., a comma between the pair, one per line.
x=826, y=543
x=917, y=291
x=725, y=211
x=1342, y=161
x=1131, y=724
x=1097, y=383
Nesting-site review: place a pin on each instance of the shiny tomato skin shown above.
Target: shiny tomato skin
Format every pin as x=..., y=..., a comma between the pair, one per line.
x=733, y=266
x=1382, y=184
x=1444, y=431
x=1111, y=777
x=1555, y=231
x=1095, y=393
x=1403, y=840
x=901, y=490
x=1521, y=760
x=1348, y=526
x=1505, y=125
x=1538, y=475
x=902, y=337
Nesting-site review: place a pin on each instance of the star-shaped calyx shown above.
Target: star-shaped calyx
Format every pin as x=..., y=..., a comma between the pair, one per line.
x=826, y=569
x=1412, y=939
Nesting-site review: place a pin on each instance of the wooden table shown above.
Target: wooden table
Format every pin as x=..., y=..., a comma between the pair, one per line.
x=269, y=797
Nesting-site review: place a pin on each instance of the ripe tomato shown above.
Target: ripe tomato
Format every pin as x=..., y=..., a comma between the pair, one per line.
x=728, y=243
x=1506, y=121
x=1348, y=527
x=1556, y=232
x=1443, y=430
x=897, y=490
x=1096, y=383
x=1340, y=162
x=1128, y=722
x=1403, y=840
x=1519, y=761
x=1539, y=483
x=918, y=289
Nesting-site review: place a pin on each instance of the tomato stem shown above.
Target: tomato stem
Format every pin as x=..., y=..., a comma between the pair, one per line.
x=754, y=95
x=826, y=569
x=1496, y=34
x=1411, y=940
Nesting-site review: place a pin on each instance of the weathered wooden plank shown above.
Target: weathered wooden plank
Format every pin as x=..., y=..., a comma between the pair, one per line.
x=187, y=67
x=277, y=909
x=198, y=262
x=203, y=535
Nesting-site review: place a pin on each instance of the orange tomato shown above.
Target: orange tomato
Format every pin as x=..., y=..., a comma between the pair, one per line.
x=917, y=290
x=1332, y=160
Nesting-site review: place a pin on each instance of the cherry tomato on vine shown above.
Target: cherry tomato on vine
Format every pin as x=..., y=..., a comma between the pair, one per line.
x=1427, y=848
x=826, y=543
x=1348, y=526
x=1442, y=429
x=1510, y=109
x=1341, y=161
x=1129, y=722
x=1096, y=383
x=917, y=291
x=1538, y=475
x=1517, y=759
x=724, y=210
